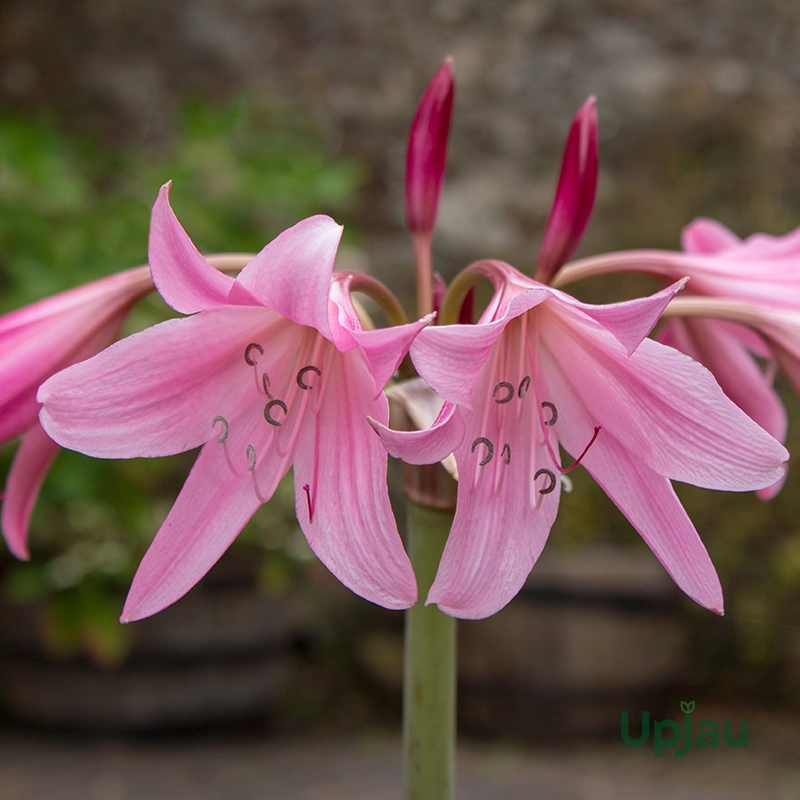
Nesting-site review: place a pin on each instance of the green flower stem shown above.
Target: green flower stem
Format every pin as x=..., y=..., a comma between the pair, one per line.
x=429, y=690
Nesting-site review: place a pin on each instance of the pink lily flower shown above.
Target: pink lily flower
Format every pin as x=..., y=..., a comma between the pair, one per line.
x=575, y=192
x=539, y=369
x=272, y=370
x=36, y=342
x=763, y=270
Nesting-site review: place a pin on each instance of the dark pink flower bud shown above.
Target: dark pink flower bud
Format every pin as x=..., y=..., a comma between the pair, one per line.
x=427, y=150
x=575, y=193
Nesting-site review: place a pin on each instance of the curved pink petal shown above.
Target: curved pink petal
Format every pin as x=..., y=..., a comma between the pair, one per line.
x=450, y=357
x=630, y=321
x=19, y=413
x=502, y=519
x=707, y=237
x=662, y=406
x=577, y=185
x=425, y=446
x=292, y=274
x=340, y=488
x=427, y=150
x=28, y=471
x=158, y=392
x=645, y=498
x=185, y=280
x=212, y=508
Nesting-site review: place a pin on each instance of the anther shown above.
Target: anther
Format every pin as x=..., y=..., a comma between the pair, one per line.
x=224, y=435
x=489, y=450
x=300, y=382
x=554, y=412
x=251, y=457
x=265, y=384
x=509, y=389
x=551, y=480
x=268, y=408
x=252, y=346
x=506, y=454
x=524, y=385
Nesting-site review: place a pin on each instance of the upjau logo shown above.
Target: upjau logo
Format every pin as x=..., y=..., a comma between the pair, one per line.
x=670, y=735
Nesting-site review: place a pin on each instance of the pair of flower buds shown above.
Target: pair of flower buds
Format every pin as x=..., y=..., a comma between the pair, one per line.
x=274, y=369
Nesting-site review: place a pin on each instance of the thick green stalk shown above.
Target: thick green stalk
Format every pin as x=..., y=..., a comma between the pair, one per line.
x=429, y=684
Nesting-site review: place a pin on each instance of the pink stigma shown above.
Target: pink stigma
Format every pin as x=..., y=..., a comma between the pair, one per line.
x=307, y=490
x=585, y=451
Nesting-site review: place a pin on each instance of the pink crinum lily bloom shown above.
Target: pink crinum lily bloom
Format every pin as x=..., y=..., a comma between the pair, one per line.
x=36, y=342
x=272, y=370
x=542, y=369
x=762, y=270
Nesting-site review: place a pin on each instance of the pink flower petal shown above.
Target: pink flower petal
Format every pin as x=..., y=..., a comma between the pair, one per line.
x=212, y=508
x=425, y=446
x=292, y=274
x=340, y=488
x=707, y=237
x=645, y=498
x=575, y=193
x=158, y=392
x=427, y=151
x=632, y=320
x=28, y=471
x=662, y=406
x=185, y=280
x=502, y=521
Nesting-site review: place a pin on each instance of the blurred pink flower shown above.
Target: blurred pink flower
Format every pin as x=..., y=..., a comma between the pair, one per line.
x=272, y=370
x=539, y=369
x=36, y=342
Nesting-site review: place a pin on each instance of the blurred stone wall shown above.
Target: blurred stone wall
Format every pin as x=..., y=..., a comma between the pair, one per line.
x=697, y=100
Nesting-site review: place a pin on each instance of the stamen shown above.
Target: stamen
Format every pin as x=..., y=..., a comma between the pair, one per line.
x=251, y=455
x=307, y=490
x=554, y=412
x=268, y=408
x=552, y=480
x=300, y=382
x=225, y=428
x=509, y=392
x=252, y=346
x=506, y=454
x=489, y=447
x=524, y=385
x=266, y=383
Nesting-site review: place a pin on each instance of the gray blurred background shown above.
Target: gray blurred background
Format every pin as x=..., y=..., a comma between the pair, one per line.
x=264, y=112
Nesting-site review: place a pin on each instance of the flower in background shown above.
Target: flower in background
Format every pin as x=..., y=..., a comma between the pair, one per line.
x=272, y=370
x=539, y=369
x=36, y=342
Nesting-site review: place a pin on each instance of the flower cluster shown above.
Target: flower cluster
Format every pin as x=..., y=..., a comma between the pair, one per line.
x=275, y=369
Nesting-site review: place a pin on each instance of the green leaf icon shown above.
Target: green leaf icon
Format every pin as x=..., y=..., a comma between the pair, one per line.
x=687, y=708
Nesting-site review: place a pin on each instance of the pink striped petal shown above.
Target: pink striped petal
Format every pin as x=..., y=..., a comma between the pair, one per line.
x=185, y=280
x=158, y=392
x=575, y=193
x=502, y=521
x=212, y=508
x=28, y=471
x=662, y=406
x=340, y=489
x=292, y=274
x=645, y=498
